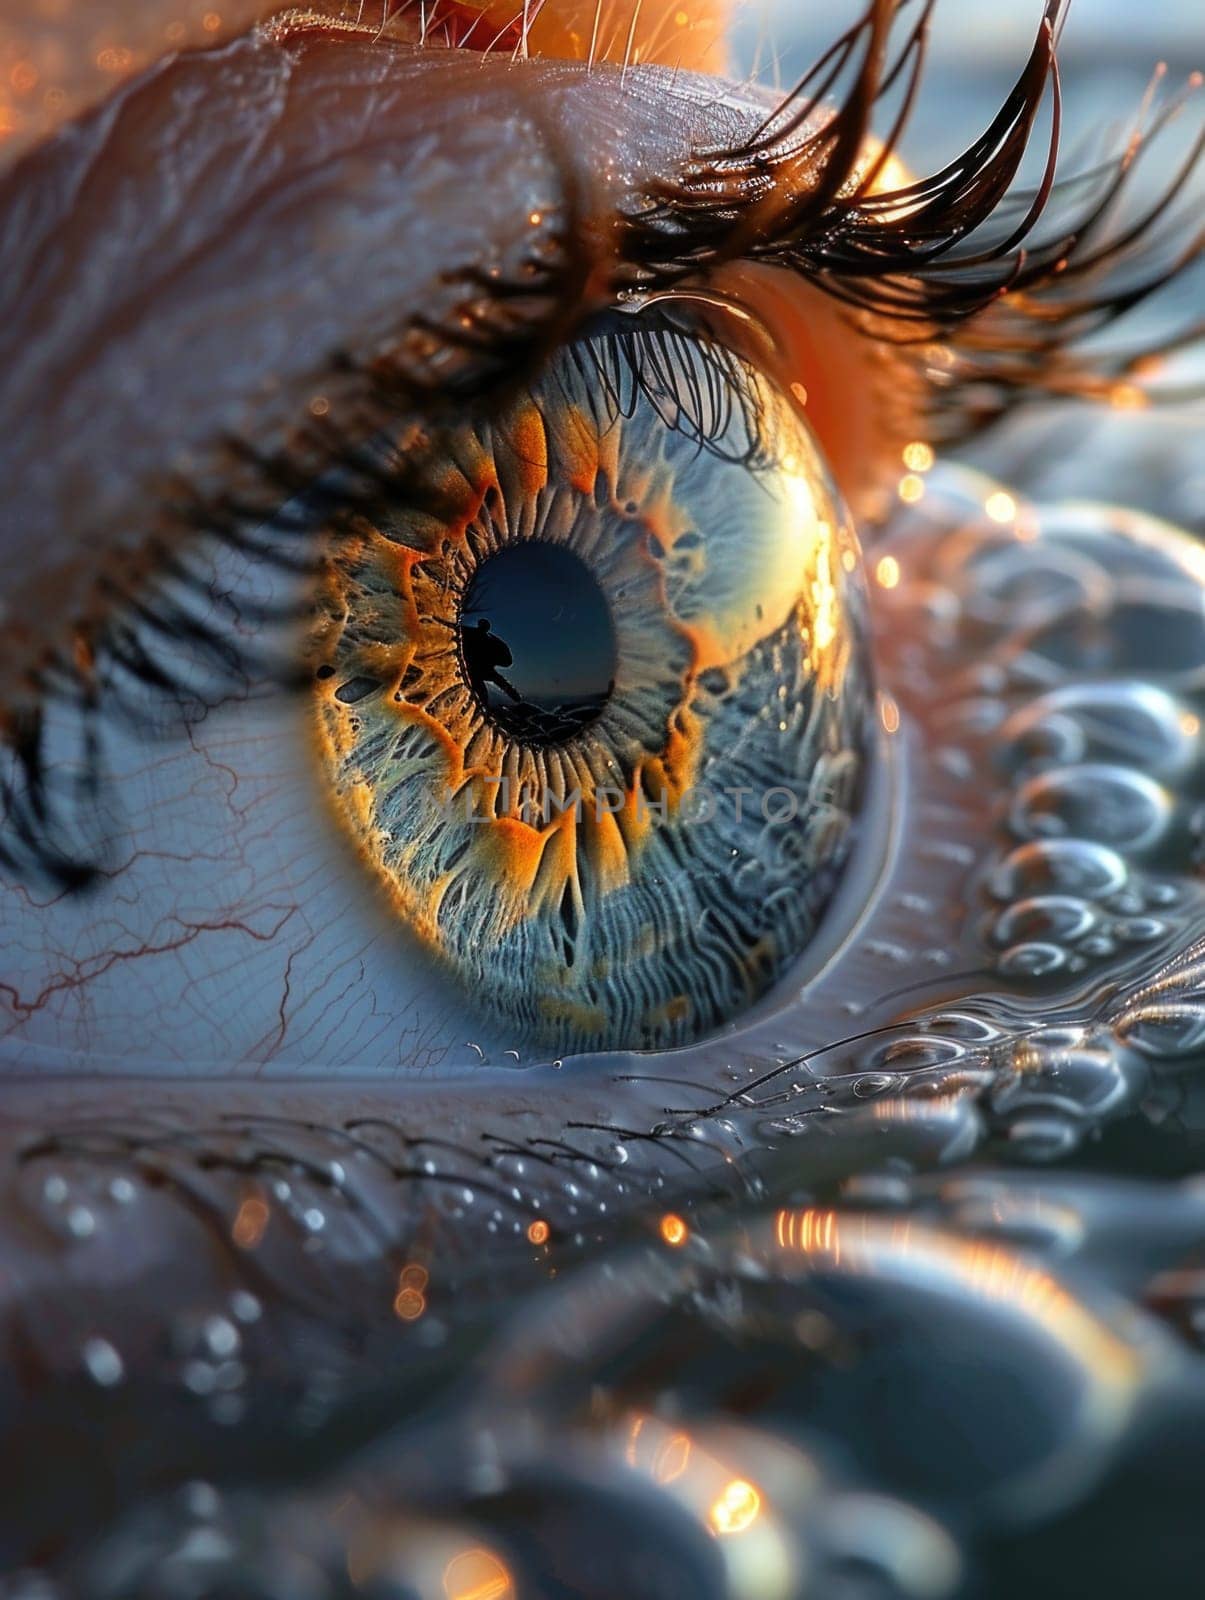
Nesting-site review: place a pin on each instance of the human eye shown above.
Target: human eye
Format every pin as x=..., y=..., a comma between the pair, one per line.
x=731, y=668
x=362, y=1024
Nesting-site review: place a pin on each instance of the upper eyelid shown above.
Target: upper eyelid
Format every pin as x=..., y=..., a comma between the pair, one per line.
x=333, y=188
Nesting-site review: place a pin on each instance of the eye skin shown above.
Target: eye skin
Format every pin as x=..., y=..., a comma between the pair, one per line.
x=238, y=1179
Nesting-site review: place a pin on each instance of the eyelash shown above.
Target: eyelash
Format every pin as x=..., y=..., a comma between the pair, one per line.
x=1005, y=313
x=1006, y=316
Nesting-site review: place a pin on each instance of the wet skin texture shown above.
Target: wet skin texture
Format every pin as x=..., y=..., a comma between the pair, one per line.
x=215, y=1277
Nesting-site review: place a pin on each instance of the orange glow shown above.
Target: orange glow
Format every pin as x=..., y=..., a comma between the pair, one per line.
x=887, y=572
x=410, y=1301
x=249, y=1224
x=673, y=1230
x=628, y=31
x=813, y=1232
x=409, y=1304
x=889, y=714
x=115, y=59
x=478, y=1574
x=672, y=1459
x=736, y=1508
x=665, y=1459
x=538, y=1231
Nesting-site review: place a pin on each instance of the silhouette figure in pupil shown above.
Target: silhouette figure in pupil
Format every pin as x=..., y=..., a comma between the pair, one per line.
x=484, y=654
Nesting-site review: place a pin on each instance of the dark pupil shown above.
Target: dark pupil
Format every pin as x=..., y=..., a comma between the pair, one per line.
x=538, y=642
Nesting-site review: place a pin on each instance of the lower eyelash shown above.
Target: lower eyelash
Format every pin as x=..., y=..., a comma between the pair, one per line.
x=53, y=791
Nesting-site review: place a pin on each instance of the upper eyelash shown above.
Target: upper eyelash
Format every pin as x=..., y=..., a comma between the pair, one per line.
x=1010, y=327
x=1007, y=312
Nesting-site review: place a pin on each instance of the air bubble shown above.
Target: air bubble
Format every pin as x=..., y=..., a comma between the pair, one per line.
x=1128, y=724
x=245, y=1307
x=221, y=1336
x=1031, y=961
x=1045, y=919
x=1108, y=805
x=1061, y=866
x=1139, y=930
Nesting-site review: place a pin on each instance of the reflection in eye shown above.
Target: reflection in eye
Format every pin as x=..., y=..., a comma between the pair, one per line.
x=592, y=702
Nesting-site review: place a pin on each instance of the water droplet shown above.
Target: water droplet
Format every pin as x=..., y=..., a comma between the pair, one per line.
x=1031, y=961
x=1109, y=805
x=104, y=1364
x=1060, y=866
x=221, y=1336
x=1045, y=919
x=245, y=1306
